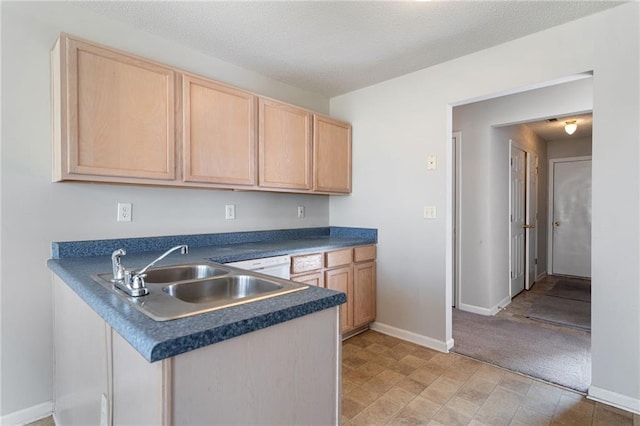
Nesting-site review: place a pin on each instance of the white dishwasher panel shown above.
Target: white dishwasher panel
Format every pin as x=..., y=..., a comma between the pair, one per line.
x=277, y=266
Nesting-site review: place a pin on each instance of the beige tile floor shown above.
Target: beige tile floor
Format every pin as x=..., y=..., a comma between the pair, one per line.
x=390, y=381
x=387, y=381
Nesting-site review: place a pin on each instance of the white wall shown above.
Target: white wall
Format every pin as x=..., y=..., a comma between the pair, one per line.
x=564, y=148
x=36, y=212
x=399, y=122
x=484, y=272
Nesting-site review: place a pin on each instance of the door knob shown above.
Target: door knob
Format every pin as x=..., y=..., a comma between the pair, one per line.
x=556, y=223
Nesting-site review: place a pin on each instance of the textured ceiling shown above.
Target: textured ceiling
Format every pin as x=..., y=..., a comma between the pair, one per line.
x=335, y=47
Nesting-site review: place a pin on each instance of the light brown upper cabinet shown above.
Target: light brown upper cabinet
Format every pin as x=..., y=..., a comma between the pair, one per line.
x=285, y=146
x=124, y=119
x=331, y=155
x=219, y=133
x=114, y=115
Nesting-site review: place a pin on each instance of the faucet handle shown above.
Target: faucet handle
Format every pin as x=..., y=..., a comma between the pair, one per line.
x=138, y=288
x=137, y=281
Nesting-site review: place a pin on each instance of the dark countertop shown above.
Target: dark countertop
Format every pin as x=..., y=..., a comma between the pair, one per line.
x=75, y=262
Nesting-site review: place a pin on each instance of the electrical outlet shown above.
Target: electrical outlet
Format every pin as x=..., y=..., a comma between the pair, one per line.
x=300, y=212
x=230, y=211
x=429, y=212
x=125, y=212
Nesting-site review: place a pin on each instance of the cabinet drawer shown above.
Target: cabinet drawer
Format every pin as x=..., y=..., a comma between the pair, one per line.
x=315, y=279
x=339, y=257
x=363, y=253
x=305, y=263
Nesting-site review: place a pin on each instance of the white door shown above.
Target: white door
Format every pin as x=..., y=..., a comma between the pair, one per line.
x=531, y=227
x=517, y=219
x=571, y=218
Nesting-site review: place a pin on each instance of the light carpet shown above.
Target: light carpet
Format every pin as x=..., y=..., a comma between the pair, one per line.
x=557, y=310
x=572, y=289
x=548, y=354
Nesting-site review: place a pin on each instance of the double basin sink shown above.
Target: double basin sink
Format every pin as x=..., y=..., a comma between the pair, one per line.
x=190, y=289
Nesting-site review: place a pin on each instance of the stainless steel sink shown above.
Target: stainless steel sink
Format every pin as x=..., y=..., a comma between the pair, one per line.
x=171, y=274
x=230, y=287
x=185, y=290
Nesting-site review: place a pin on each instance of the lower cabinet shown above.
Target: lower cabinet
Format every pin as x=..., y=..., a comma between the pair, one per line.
x=364, y=293
x=341, y=279
x=100, y=379
x=316, y=279
x=349, y=270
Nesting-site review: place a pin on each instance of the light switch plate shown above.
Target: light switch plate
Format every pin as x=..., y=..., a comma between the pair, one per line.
x=431, y=162
x=429, y=212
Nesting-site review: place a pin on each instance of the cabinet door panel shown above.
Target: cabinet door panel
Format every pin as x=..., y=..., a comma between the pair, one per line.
x=331, y=155
x=341, y=279
x=119, y=112
x=364, y=293
x=284, y=146
x=219, y=133
x=315, y=279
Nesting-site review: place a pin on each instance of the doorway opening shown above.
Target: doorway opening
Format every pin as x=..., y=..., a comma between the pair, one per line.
x=500, y=213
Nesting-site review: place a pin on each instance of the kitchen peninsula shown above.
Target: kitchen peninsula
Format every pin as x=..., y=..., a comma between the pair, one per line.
x=270, y=361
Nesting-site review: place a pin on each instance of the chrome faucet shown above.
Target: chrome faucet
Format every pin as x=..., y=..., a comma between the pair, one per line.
x=118, y=269
x=184, y=249
x=130, y=281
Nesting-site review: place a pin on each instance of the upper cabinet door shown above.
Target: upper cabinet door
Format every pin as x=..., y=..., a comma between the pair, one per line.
x=331, y=155
x=219, y=131
x=115, y=115
x=284, y=146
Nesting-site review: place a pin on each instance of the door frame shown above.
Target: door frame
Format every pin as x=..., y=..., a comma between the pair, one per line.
x=531, y=232
x=550, y=206
x=456, y=196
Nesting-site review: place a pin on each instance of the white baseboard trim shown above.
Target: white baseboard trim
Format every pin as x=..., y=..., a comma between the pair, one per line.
x=501, y=305
x=474, y=309
x=541, y=276
x=412, y=337
x=450, y=344
x=486, y=311
x=28, y=415
x=614, y=399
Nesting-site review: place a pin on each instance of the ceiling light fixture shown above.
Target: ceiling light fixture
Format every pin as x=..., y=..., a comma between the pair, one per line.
x=570, y=126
